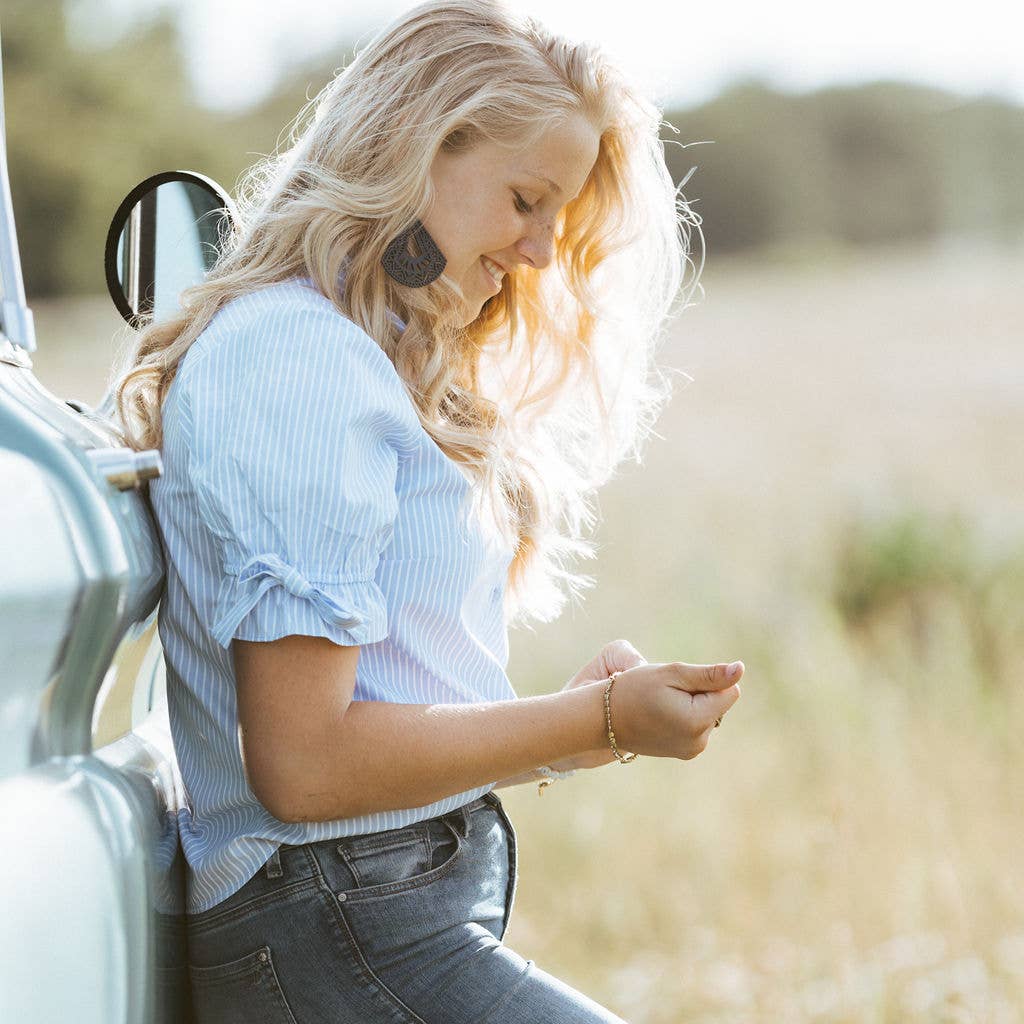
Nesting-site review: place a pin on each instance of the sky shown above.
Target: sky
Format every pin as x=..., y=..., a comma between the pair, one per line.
x=238, y=48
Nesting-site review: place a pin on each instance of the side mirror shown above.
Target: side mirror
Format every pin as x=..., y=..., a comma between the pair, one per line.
x=166, y=234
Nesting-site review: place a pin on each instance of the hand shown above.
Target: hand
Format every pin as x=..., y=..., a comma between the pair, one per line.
x=616, y=656
x=662, y=710
x=670, y=710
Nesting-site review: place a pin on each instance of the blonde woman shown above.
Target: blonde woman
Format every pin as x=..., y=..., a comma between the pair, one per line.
x=383, y=415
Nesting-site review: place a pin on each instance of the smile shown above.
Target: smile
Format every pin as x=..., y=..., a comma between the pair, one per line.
x=494, y=272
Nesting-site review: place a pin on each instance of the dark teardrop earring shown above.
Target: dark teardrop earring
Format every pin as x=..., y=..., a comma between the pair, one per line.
x=414, y=271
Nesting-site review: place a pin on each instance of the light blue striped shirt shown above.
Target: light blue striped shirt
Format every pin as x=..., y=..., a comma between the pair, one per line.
x=301, y=494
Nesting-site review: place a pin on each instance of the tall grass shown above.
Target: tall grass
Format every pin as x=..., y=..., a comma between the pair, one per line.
x=848, y=847
x=838, y=501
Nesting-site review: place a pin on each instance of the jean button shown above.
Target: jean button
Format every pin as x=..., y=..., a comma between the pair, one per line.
x=342, y=897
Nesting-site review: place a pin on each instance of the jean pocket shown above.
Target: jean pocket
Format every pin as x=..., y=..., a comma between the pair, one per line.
x=239, y=991
x=397, y=860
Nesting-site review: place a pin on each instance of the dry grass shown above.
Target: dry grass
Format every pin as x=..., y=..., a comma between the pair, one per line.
x=838, y=501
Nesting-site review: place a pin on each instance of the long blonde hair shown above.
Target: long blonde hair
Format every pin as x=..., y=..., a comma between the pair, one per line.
x=554, y=383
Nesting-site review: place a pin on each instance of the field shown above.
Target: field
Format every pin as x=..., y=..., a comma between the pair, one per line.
x=837, y=499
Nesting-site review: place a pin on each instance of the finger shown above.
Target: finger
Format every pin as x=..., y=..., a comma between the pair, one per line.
x=620, y=655
x=699, y=743
x=714, y=704
x=704, y=678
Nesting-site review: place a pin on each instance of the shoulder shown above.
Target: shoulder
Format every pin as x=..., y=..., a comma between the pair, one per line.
x=284, y=352
x=282, y=322
x=289, y=331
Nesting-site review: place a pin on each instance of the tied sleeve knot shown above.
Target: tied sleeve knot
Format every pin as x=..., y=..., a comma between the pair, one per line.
x=258, y=575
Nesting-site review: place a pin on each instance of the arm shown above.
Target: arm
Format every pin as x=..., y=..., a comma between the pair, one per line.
x=314, y=754
x=440, y=749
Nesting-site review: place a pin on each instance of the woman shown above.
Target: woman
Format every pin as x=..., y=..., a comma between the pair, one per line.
x=382, y=415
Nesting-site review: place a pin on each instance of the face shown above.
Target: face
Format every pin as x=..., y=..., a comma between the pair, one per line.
x=496, y=206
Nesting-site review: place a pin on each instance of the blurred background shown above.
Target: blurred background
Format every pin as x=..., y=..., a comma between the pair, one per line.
x=837, y=497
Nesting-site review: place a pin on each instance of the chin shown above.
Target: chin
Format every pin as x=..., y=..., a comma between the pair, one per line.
x=486, y=306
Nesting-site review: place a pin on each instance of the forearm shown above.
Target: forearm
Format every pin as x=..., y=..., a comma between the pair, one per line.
x=383, y=756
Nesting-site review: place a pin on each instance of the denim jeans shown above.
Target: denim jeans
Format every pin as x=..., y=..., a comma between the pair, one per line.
x=404, y=926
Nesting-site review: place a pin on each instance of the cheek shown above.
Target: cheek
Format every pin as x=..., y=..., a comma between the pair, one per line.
x=497, y=228
x=477, y=224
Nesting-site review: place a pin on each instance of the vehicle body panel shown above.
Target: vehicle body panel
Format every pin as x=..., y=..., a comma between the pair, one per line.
x=93, y=870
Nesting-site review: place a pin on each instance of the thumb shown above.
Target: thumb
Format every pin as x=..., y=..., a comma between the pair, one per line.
x=705, y=678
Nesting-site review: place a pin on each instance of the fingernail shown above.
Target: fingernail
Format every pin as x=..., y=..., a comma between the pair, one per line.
x=734, y=669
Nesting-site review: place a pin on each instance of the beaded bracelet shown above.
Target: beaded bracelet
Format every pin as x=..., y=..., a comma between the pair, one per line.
x=608, y=719
x=551, y=775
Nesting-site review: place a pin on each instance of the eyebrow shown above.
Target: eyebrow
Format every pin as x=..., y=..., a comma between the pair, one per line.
x=554, y=187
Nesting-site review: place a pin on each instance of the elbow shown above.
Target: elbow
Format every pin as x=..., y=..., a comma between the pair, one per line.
x=279, y=806
x=297, y=809
x=273, y=792
x=288, y=722
x=291, y=783
x=273, y=799
x=300, y=803
x=292, y=816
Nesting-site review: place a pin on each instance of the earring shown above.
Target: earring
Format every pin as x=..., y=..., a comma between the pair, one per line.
x=414, y=271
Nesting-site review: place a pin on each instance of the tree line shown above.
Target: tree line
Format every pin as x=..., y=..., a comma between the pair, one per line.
x=844, y=166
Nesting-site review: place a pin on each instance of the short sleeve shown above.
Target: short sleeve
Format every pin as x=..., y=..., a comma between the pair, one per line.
x=290, y=422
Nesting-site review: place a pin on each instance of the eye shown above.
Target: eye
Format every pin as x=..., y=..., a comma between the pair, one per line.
x=521, y=204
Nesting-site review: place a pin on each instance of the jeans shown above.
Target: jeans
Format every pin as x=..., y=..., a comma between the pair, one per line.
x=403, y=926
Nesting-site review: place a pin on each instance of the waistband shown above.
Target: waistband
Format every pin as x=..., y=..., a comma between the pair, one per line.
x=488, y=799
x=293, y=855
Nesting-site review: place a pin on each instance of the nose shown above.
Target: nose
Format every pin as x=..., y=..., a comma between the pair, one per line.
x=538, y=247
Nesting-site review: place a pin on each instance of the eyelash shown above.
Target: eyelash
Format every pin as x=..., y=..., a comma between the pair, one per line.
x=521, y=204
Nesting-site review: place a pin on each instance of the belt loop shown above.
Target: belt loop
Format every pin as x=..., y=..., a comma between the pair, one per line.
x=466, y=817
x=274, y=869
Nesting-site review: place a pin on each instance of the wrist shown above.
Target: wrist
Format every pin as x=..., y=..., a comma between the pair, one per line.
x=593, y=722
x=603, y=751
x=592, y=735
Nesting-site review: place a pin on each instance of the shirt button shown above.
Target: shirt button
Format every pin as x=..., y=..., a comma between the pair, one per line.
x=495, y=593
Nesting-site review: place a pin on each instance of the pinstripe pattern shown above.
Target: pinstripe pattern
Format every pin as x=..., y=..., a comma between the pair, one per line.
x=300, y=494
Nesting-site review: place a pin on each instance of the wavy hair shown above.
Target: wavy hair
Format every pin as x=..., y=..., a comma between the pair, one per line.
x=554, y=383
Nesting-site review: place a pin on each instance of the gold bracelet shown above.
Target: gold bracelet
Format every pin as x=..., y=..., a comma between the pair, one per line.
x=608, y=719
